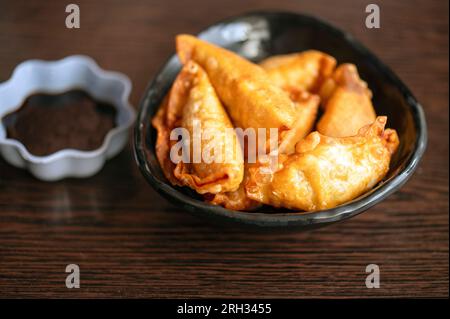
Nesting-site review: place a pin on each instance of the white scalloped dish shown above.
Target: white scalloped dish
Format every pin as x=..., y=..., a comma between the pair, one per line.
x=54, y=77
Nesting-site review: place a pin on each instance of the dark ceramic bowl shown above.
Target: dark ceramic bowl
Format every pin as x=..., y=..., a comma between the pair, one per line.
x=256, y=36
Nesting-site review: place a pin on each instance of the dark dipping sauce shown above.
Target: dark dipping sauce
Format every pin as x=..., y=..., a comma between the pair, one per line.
x=47, y=123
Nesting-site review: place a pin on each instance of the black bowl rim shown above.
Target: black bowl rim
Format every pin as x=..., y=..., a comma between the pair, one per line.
x=324, y=217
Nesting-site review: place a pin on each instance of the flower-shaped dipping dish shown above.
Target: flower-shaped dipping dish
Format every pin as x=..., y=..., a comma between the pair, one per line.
x=55, y=77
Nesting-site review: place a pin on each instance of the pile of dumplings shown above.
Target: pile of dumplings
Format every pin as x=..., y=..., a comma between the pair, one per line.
x=321, y=163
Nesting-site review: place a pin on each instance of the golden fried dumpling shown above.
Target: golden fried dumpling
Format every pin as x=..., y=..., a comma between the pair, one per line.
x=236, y=200
x=307, y=105
x=163, y=143
x=250, y=97
x=325, y=171
x=304, y=71
x=347, y=103
x=215, y=161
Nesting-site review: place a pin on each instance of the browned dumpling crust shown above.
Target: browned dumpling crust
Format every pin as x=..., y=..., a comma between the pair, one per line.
x=193, y=101
x=250, y=97
x=326, y=171
x=347, y=103
x=236, y=200
x=303, y=71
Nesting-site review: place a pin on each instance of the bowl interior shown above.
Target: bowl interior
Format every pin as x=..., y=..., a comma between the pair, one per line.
x=256, y=36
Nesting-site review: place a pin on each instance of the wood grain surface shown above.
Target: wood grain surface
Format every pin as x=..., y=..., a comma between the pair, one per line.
x=129, y=242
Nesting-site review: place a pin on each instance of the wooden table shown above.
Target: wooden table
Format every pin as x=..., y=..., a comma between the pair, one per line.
x=129, y=242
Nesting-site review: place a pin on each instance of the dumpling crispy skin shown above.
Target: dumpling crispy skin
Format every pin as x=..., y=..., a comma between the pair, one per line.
x=347, y=103
x=193, y=102
x=308, y=105
x=250, y=97
x=304, y=71
x=325, y=171
x=237, y=200
x=163, y=142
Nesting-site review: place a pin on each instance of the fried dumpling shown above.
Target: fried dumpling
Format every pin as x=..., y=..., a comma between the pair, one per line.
x=163, y=143
x=215, y=161
x=236, y=200
x=251, y=99
x=304, y=71
x=307, y=105
x=347, y=103
x=326, y=171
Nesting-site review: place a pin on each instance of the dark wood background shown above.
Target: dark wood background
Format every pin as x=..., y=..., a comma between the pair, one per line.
x=129, y=242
